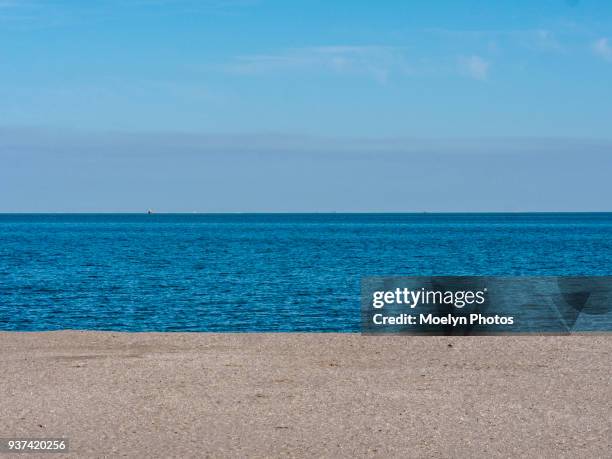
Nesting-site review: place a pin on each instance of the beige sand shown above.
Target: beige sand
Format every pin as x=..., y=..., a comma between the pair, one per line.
x=329, y=395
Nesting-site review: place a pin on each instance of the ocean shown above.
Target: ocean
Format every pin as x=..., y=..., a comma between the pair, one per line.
x=263, y=272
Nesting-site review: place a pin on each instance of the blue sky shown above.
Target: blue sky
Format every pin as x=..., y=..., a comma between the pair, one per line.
x=471, y=78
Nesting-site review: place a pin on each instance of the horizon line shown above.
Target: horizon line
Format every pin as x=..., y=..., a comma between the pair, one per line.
x=319, y=213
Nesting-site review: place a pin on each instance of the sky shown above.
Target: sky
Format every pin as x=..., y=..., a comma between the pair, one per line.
x=276, y=106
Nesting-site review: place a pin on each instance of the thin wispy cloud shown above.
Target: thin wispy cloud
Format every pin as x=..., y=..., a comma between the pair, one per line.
x=187, y=5
x=539, y=39
x=474, y=67
x=15, y=141
x=383, y=62
x=544, y=40
x=603, y=48
x=377, y=62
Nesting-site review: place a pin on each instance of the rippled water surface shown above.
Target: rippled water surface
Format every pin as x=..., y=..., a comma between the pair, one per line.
x=276, y=272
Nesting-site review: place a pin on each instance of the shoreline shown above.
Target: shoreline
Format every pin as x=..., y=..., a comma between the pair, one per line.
x=315, y=394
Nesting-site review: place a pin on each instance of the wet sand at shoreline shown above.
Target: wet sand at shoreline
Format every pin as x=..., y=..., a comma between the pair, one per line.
x=256, y=395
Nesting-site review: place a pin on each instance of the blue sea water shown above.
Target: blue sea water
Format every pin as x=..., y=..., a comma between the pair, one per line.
x=263, y=272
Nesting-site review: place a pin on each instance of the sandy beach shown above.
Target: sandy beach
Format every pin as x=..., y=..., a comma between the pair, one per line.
x=330, y=395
